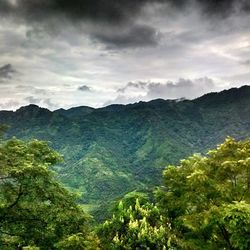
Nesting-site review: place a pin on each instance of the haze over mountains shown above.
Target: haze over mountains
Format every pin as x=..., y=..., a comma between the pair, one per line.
x=120, y=148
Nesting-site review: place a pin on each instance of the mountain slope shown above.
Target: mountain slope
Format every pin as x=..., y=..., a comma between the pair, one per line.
x=119, y=148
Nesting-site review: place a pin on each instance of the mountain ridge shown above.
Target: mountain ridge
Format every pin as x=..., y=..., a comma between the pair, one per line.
x=243, y=89
x=120, y=148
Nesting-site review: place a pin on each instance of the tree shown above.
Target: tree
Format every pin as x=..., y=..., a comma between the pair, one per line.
x=35, y=210
x=134, y=226
x=206, y=199
x=3, y=129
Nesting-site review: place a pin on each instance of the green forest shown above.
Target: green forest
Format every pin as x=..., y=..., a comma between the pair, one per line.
x=204, y=203
x=156, y=175
x=114, y=150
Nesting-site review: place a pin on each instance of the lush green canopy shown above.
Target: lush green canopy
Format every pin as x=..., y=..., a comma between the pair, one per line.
x=35, y=210
x=134, y=226
x=204, y=204
x=207, y=199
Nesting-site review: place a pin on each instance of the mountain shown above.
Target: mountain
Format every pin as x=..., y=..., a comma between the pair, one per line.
x=119, y=148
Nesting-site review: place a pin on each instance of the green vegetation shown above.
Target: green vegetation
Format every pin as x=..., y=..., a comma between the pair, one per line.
x=114, y=157
x=203, y=204
x=36, y=212
x=136, y=224
x=207, y=199
x=121, y=148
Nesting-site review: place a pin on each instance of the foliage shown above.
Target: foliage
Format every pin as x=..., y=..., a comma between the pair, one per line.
x=134, y=227
x=116, y=149
x=207, y=198
x=3, y=129
x=79, y=241
x=35, y=210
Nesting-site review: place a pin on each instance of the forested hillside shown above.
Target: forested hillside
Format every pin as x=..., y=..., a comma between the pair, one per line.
x=120, y=148
x=203, y=203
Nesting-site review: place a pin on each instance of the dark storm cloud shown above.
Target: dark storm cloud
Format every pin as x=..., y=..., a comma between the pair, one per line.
x=84, y=88
x=113, y=11
x=5, y=6
x=224, y=7
x=118, y=18
x=135, y=36
x=102, y=10
x=7, y=71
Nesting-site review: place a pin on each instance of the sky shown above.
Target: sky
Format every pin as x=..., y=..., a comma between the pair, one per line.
x=65, y=53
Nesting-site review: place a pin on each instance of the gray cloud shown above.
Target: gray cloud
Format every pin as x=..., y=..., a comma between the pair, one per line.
x=120, y=15
x=138, y=85
x=133, y=36
x=50, y=104
x=7, y=71
x=183, y=88
x=9, y=105
x=224, y=7
x=110, y=11
x=246, y=62
x=112, y=23
x=44, y=102
x=33, y=100
x=98, y=10
x=84, y=88
x=34, y=90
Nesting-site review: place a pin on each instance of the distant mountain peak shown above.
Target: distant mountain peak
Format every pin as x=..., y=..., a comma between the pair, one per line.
x=212, y=98
x=31, y=107
x=224, y=96
x=75, y=112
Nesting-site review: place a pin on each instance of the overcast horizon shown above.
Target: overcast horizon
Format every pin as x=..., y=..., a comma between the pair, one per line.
x=62, y=53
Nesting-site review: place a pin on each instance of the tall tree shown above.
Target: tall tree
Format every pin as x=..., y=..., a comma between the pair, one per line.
x=134, y=226
x=206, y=199
x=35, y=210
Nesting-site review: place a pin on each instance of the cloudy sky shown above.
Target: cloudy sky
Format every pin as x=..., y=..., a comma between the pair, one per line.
x=65, y=53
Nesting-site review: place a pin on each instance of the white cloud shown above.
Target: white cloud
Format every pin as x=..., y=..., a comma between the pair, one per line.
x=183, y=88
